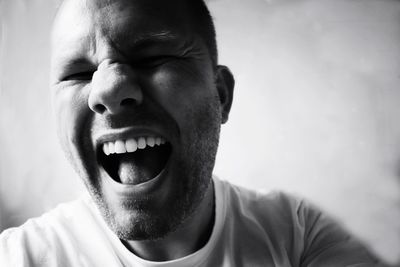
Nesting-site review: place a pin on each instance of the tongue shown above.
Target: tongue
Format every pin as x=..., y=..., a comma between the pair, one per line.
x=141, y=166
x=130, y=172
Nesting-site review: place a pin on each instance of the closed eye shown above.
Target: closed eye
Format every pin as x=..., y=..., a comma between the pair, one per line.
x=154, y=61
x=80, y=76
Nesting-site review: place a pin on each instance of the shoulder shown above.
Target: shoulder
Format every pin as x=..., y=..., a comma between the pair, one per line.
x=299, y=227
x=31, y=243
x=268, y=205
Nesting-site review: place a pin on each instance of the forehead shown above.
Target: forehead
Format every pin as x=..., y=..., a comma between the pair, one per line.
x=81, y=24
x=135, y=13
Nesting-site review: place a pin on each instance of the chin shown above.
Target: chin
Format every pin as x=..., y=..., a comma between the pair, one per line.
x=139, y=226
x=153, y=218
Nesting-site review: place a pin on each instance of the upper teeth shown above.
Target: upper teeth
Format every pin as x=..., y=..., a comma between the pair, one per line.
x=131, y=145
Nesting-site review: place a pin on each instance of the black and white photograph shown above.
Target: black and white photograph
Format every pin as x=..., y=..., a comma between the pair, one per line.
x=199, y=133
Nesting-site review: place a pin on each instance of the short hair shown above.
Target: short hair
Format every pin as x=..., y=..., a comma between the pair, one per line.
x=204, y=26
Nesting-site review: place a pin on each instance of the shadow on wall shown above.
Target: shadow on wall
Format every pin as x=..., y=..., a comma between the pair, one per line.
x=34, y=175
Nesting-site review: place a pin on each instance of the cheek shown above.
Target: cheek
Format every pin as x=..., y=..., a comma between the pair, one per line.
x=70, y=105
x=182, y=93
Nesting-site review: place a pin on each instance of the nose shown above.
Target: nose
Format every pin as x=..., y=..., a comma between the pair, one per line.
x=114, y=87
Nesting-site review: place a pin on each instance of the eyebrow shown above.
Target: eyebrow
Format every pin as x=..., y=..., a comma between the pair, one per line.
x=147, y=41
x=76, y=62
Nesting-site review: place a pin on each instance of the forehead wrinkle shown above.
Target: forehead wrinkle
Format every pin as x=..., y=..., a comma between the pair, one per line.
x=105, y=37
x=108, y=49
x=120, y=44
x=112, y=15
x=114, y=46
x=135, y=31
x=154, y=37
x=161, y=35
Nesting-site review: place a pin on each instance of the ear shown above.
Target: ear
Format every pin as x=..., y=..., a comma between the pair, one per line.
x=225, y=84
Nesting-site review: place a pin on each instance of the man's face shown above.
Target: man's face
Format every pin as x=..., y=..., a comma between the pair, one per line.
x=132, y=77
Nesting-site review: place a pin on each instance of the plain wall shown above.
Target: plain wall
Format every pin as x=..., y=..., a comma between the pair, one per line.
x=315, y=112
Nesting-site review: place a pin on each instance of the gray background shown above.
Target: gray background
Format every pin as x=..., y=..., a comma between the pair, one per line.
x=316, y=109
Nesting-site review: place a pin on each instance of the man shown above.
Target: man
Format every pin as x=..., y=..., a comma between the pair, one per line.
x=139, y=98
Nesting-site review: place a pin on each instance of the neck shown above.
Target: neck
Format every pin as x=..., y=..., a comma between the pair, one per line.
x=188, y=238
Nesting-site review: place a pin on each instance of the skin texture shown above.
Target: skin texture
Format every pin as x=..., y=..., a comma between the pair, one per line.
x=130, y=67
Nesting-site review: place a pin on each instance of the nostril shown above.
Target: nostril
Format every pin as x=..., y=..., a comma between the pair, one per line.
x=128, y=102
x=99, y=108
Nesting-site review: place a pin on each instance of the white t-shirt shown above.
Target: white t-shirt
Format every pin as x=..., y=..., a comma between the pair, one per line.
x=251, y=229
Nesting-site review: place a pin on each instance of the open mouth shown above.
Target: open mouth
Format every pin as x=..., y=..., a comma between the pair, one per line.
x=135, y=160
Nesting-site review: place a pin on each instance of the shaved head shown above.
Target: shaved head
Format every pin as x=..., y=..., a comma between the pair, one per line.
x=200, y=18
